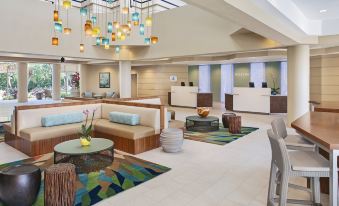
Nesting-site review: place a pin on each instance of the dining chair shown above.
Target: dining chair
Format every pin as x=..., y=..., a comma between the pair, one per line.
x=293, y=142
x=294, y=163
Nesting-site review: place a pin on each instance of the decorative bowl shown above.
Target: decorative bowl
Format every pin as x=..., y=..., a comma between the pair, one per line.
x=203, y=111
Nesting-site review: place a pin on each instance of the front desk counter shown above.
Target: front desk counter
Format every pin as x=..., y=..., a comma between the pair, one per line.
x=255, y=100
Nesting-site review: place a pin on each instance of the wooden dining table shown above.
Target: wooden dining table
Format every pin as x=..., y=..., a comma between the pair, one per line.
x=322, y=128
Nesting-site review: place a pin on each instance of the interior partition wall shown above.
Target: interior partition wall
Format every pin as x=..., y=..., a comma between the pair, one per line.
x=257, y=74
x=204, y=78
x=227, y=83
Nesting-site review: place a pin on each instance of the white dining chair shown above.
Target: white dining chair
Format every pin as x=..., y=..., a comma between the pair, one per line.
x=294, y=163
x=293, y=142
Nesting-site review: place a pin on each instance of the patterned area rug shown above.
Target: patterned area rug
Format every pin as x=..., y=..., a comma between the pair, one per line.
x=220, y=137
x=125, y=172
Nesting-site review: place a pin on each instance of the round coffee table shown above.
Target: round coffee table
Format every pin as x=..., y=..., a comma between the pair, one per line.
x=97, y=156
x=202, y=124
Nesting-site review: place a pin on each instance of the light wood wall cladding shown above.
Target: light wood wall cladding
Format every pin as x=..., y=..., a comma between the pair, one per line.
x=324, y=78
x=155, y=80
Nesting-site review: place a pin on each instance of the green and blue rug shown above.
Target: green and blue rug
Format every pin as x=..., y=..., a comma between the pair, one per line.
x=125, y=172
x=220, y=137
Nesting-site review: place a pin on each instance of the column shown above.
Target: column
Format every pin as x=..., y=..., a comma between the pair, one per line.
x=298, y=70
x=83, y=77
x=22, y=82
x=56, y=82
x=125, y=79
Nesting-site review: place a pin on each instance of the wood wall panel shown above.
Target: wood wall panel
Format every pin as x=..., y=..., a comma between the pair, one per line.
x=154, y=80
x=324, y=78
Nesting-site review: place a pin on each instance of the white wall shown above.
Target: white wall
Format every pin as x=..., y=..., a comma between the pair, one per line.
x=90, y=78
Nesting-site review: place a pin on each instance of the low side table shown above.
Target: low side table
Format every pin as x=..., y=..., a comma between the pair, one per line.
x=202, y=124
x=97, y=156
x=234, y=124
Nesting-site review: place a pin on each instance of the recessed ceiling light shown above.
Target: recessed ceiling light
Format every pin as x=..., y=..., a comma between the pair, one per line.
x=323, y=11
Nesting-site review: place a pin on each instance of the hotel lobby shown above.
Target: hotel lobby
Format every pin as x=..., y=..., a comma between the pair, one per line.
x=169, y=102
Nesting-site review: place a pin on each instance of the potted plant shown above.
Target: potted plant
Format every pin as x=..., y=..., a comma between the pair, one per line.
x=274, y=89
x=86, y=130
x=75, y=83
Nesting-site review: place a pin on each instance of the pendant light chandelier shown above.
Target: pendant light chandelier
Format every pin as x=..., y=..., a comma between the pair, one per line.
x=109, y=22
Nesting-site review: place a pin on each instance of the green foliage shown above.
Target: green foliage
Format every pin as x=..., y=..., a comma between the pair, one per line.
x=40, y=76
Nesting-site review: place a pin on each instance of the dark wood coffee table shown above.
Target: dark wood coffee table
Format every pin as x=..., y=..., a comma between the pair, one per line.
x=202, y=124
x=97, y=156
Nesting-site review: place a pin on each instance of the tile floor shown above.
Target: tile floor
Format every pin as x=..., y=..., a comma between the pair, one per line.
x=204, y=174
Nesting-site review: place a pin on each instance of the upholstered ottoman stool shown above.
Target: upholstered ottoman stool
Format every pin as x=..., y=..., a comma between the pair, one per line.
x=172, y=139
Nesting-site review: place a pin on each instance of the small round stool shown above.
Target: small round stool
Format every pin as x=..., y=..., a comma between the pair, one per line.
x=172, y=139
x=234, y=124
x=20, y=185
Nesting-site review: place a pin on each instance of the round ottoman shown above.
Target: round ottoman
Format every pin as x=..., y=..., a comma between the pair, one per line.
x=20, y=184
x=171, y=139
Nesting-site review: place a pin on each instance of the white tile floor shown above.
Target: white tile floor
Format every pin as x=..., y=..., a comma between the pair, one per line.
x=204, y=174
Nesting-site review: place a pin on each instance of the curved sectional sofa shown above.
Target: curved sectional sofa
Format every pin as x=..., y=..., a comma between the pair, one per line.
x=27, y=134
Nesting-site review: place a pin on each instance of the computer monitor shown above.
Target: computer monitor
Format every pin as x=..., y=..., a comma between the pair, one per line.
x=183, y=84
x=191, y=84
x=251, y=84
x=264, y=85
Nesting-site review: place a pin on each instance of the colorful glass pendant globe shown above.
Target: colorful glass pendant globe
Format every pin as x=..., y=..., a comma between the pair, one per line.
x=116, y=25
x=105, y=41
x=96, y=31
x=98, y=41
x=66, y=4
x=106, y=46
x=117, y=49
x=94, y=19
x=113, y=36
x=142, y=29
x=147, y=40
x=82, y=48
x=58, y=26
x=135, y=16
x=110, y=27
x=55, y=15
x=154, y=39
x=83, y=11
x=149, y=21
x=67, y=31
x=55, y=41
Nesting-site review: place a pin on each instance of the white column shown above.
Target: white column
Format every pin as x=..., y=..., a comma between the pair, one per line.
x=125, y=79
x=83, y=77
x=298, y=62
x=56, y=82
x=22, y=82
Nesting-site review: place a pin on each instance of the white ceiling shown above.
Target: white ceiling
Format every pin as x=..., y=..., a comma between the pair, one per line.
x=311, y=8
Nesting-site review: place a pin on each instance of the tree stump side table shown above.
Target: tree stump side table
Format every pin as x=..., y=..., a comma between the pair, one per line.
x=234, y=124
x=225, y=120
x=60, y=185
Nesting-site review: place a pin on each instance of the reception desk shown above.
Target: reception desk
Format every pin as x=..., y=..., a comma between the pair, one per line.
x=189, y=97
x=255, y=100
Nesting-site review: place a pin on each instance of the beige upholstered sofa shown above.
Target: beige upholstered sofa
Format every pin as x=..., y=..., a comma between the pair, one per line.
x=27, y=134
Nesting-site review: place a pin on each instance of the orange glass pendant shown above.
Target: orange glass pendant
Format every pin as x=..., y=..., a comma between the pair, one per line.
x=56, y=15
x=154, y=39
x=55, y=41
x=113, y=36
x=82, y=48
x=67, y=30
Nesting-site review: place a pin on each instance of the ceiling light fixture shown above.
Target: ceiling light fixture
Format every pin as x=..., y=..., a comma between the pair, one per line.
x=323, y=11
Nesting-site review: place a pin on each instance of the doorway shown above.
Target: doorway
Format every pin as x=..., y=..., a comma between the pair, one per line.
x=134, y=86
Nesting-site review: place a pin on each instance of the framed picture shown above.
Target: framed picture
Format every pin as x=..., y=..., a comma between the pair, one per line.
x=104, y=80
x=173, y=78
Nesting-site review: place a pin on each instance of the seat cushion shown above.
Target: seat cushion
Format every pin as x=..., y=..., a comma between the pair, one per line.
x=308, y=161
x=121, y=130
x=42, y=133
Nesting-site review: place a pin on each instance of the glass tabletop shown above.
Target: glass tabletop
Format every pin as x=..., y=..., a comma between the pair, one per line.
x=202, y=119
x=73, y=147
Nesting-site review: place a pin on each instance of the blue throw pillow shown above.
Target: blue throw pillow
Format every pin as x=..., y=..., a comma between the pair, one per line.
x=88, y=94
x=61, y=119
x=124, y=118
